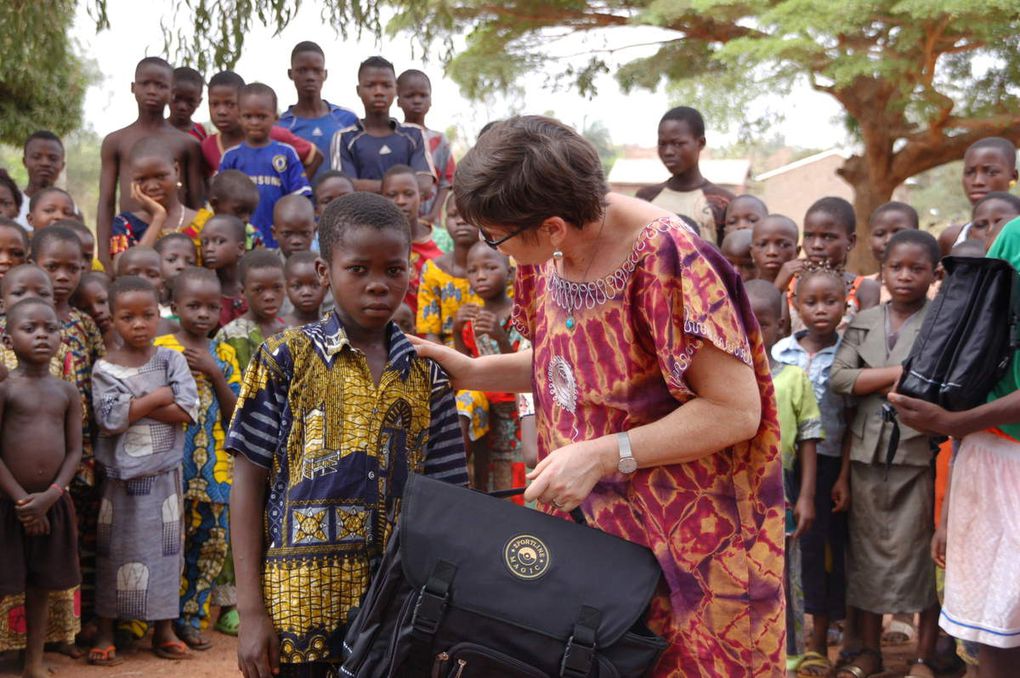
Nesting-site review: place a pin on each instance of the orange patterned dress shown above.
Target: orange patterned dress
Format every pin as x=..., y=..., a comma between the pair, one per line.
x=715, y=524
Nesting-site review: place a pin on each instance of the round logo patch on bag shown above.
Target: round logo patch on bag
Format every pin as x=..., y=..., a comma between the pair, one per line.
x=526, y=557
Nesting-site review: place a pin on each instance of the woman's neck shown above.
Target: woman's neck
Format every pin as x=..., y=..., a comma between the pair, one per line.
x=600, y=247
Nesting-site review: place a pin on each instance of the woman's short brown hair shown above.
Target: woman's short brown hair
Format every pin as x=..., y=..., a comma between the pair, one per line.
x=527, y=169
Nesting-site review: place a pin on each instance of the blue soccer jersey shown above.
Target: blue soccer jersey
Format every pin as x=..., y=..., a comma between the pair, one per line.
x=320, y=131
x=276, y=170
x=360, y=155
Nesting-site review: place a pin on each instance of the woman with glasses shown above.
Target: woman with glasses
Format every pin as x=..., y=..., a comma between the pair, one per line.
x=654, y=402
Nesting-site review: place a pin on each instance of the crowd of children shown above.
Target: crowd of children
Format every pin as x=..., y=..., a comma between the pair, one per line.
x=250, y=276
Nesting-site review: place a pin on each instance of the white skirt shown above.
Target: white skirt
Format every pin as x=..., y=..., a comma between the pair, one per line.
x=982, y=595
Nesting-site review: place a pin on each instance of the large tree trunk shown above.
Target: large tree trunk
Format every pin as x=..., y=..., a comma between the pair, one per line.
x=869, y=193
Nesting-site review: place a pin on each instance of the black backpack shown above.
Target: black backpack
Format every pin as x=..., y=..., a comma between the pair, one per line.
x=967, y=339
x=472, y=586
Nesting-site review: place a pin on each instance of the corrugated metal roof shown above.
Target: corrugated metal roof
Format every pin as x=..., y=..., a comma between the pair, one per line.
x=803, y=162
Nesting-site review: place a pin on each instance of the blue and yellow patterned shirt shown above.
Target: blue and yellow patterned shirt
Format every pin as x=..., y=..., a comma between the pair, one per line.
x=208, y=468
x=338, y=450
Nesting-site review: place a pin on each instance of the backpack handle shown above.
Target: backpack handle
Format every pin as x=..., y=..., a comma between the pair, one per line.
x=576, y=514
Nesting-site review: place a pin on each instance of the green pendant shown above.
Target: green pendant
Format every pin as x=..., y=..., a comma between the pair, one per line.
x=570, y=322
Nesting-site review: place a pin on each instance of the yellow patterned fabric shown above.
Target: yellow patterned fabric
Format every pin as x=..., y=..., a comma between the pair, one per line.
x=440, y=296
x=338, y=450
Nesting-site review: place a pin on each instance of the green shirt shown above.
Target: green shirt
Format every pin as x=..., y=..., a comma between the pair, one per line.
x=799, y=416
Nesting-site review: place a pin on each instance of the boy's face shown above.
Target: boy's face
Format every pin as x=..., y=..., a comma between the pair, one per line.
x=376, y=88
x=44, y=161
x=145, y=265
x=329, y=190
x=27, y=284
x=821, y=302
x=768, y=321
x=402, y=191
x=258, y=113
x=988, y=220
x=12, y=249
x=242, y=208
x=176, y=255
x=308, y=72
x=908, y=272
x=404, y=319
x=368, y=276
x=679, y=149
x=53, y=206
x=825, y=239
x=197, y=305
x=293, y=234
x=462, y=233
x=223, y=108
x=414, y=97
x=34, y=334
x=773, y=244
x=220, y=246
x=136, y=318
x=94, y=300
x=741, y=214
x=264, y=289
x=152, y=87
x=304, y=288
x=487, y=271
x=885, y=226
x=184, y=101
x=986, y=170
x=62, y=262
x=8, y=208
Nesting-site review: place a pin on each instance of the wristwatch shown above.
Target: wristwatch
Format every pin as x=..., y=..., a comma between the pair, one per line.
x=627, y=463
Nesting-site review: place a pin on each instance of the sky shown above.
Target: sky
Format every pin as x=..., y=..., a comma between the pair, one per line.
x=631, y=118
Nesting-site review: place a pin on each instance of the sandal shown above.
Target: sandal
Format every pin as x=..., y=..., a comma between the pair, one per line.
x=104, y=656
x=192, y=638
x=927, y=672
x=171, y=649
x=898, y=633
x=855, y=669
x=814, y=664
x=229, y=622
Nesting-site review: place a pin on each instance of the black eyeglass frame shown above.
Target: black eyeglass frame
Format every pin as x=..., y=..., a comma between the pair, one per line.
x=496, y=243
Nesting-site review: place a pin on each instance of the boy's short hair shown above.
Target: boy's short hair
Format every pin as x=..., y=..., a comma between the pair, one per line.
x=306, y=46
x=12, y=186
x=259, y=259
x=154, y=61
x=42, y=193
x=258, y=89
x=397, y=170
x=1008, y=198
x=331, y=174
x=90, y=277
x=298, y=258
x=226, y=79
x=765, y=293
x=192, y=274
x=162, y=243
x=527, y=169
x=44, y=135
x=924, y=239
x=52, y=233
x=1004, y=146
x=17, y=309
x=232, y=184
x=376, y=62
x=236, y=225
x=412, y=73
x=750, y=198
x=74, y=225
x=132, y=254
x=125, y=284
x=5, y=282
x=359, y=210
x=15, y=226
x=296, y=205
x=738, y=241
x=837, y=208
x=690, y=116
x=902, y=208
x=187, y=74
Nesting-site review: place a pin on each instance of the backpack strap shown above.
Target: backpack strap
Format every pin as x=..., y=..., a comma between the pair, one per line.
x=428, y=613
x=889, y=415
x=579, y=655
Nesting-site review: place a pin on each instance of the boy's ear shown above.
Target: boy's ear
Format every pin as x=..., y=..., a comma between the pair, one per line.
x=213, y=202
x=321, y=270
x=701, y=143
x=853, y=241
x=290, y=74
x=6, y=339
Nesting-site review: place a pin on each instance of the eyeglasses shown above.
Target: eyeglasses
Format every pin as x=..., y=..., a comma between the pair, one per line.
x=496, y=243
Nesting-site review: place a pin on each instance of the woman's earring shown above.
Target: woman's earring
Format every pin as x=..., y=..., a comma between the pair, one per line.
x=557, y=254
x=180, y=185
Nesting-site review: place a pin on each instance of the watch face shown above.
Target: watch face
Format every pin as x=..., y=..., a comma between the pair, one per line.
x=627, y=465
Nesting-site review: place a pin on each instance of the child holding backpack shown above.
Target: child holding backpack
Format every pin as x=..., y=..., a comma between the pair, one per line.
x=891, y=508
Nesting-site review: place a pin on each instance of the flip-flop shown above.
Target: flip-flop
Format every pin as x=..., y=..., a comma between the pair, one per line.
x=192, y=638
x=813, y=665
x=229, y=622
x=104, y=656
x=171, y=649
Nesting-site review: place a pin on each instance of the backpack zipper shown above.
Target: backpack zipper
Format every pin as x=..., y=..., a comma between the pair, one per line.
x=461, y=663
x=439, y=663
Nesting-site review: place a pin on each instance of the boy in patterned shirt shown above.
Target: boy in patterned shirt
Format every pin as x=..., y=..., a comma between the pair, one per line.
x=331, y=419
